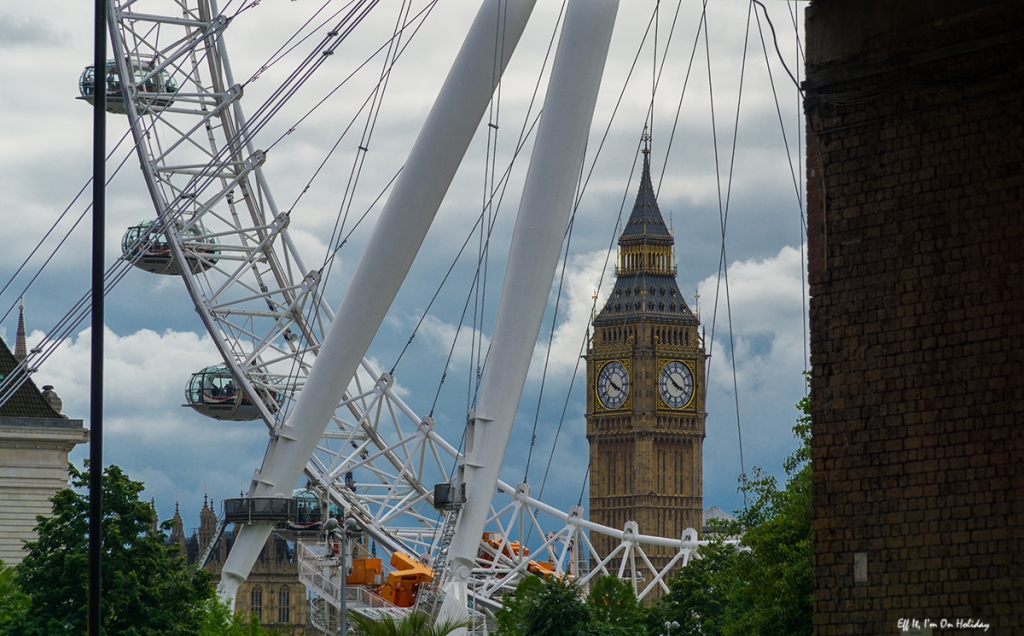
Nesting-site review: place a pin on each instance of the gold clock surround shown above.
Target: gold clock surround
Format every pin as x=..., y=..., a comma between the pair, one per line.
x=627, y=404
x=691, y=404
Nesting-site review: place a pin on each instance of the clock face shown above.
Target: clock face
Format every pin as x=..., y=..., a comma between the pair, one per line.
x=613, y=385
x=676, y=384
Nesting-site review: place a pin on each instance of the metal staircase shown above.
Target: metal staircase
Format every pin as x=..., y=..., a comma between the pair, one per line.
x=212, y=543
x=430, y=596
x=318, y=571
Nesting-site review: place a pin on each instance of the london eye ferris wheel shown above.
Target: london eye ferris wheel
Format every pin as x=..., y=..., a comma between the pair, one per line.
x=206, y=127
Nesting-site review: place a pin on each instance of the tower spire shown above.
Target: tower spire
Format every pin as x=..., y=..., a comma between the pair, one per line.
x=20, y=349
x=645, y=284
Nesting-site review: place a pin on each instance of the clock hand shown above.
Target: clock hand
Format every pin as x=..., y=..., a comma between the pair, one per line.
x=676, y=384
x=616, y=386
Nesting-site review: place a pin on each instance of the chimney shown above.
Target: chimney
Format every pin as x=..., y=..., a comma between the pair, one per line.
x=53, y=400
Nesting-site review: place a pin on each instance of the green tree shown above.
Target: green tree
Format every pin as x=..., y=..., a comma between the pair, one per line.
x=613, y=605
x=13, y=601
x=774, y=578
x=511, y=617
x=414, y=624
x=146, y=588
x=765, y=587
x=557, y=610
x=701, y=596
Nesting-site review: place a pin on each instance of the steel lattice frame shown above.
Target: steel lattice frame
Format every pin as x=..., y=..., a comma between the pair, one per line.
x=264, y=310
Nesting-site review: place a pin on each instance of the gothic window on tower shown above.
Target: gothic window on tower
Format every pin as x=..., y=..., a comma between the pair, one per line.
x=256, y=602
x=283, y=605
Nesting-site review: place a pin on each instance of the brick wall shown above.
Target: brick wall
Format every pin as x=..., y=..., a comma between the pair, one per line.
x=915, y=154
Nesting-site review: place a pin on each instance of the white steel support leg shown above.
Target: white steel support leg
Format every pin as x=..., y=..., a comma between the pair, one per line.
x=533, y=257
x=389, y=254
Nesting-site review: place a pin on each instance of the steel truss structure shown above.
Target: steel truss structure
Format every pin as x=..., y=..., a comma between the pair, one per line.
x=266, y=312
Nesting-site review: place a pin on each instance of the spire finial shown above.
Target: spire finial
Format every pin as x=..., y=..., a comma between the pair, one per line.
x=20, y=348
x=646, y=138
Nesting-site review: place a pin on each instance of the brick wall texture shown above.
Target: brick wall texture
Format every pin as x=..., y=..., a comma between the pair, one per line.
x=915, y=154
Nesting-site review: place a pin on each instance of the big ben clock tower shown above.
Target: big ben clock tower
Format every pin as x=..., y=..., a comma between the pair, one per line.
x=645, y=402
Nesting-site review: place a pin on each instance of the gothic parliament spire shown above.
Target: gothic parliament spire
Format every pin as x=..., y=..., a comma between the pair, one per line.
x=645, y=401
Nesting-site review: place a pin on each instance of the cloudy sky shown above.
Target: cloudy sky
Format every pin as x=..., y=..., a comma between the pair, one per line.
x=155, y=339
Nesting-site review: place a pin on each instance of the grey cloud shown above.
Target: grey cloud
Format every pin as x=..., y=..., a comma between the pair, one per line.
x=15, y=32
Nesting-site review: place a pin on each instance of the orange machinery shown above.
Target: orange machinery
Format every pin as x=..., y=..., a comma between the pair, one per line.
x=401, y=586
x=365, y=572
x=512, y=550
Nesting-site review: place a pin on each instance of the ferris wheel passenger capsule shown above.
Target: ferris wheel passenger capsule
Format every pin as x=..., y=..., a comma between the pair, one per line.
x=153, y=90
x=310, y=508
x=214, y=392
x=146, y=247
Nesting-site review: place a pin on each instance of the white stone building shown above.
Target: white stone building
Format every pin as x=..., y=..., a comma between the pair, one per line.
x=35, y=439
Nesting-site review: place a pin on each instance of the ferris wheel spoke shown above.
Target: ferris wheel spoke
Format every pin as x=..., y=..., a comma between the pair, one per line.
x=149, y=40
x=210, y=105
x=358, y=397
x=161, y=19
x=281, y=356
x=386, y=451
x=196, y=170
x=496, y=517
x=282, y=309
x=406, y=506
x=391, y=508
x=246, y=275
x=402, y=475
x=220, y=102
x=352, y=433
x=238, y=331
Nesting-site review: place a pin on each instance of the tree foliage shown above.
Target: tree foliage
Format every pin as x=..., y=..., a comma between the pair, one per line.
x=613, y=602
x=146, y=589
x=701, y=597
x=775, y=576
x=511, y=617
x=557, y=611
x=555, y=607
x=765, y=588
x=13, y=601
